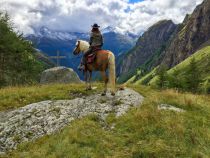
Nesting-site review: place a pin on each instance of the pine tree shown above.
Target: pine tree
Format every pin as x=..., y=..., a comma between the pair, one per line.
x=17, y=61
x=192, y=77
x=162, y=76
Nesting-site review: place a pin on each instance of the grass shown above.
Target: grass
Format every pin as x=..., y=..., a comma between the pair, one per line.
x=145, y=79
x=144, y=131
x=15, y=97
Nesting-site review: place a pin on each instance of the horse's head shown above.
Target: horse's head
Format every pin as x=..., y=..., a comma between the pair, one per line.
x=81, y=46
x=77, y=49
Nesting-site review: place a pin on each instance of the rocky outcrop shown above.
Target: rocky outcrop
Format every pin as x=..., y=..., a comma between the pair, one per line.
x=59, y=75
x=150, y=43
x=194, y=31
x=46, y=117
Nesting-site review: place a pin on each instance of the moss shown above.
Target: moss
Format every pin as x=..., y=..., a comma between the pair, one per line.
x=16, y=138
x=117, y=102
x=102, y=101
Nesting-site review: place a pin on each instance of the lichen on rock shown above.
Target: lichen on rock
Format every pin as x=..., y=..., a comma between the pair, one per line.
x=47, y=117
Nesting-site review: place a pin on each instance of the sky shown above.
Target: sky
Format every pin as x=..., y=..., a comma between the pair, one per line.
x=134, y=16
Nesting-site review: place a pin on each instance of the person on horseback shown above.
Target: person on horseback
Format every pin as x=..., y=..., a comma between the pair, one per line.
x=96, y=42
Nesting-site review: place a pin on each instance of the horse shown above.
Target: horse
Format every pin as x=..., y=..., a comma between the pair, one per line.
x=105, y=60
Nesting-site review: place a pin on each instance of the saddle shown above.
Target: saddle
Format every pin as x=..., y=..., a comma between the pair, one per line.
x=91, y=57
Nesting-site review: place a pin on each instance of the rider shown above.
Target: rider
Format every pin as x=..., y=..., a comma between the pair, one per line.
x=96, y=42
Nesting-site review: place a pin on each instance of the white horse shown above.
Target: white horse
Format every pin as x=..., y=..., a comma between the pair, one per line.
x=104, y=60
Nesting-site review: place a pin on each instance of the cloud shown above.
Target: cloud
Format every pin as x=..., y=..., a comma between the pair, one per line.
x=74, y=15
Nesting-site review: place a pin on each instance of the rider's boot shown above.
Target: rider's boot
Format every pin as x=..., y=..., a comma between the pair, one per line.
x=82, y=64
x=81, y=67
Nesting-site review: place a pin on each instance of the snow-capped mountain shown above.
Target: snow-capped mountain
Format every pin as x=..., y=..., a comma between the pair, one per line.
x=50, y=41
x=58, y=35
x=108, y=29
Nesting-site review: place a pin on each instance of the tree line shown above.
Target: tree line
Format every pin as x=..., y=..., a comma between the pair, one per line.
x=190, y=80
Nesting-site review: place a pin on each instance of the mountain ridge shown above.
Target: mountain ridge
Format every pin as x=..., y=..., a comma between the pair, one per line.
x=194, y=31
x=152, y=43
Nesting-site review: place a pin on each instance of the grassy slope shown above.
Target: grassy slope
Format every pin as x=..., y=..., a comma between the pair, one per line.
x=14, y=97
x=202, y=59
x=143, y=132
x=145, y=79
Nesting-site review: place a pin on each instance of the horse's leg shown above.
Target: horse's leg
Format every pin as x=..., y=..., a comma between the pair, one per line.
x=90, y=77
x=86, y=79
x=104, y=77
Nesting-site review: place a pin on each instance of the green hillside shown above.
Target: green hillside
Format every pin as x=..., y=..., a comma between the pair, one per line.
x=145, y=79
x=181, y=73
x=202, y=61
x=144, y=131
x=196, y=67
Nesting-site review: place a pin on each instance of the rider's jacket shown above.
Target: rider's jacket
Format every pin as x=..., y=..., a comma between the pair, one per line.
x=96, y=39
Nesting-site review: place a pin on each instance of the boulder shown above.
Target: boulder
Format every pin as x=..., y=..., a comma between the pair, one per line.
x=59, y=75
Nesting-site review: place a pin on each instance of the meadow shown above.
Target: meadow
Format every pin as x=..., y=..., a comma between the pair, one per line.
x=144, y=131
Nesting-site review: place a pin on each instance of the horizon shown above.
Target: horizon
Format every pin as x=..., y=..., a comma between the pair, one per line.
x=134, y=16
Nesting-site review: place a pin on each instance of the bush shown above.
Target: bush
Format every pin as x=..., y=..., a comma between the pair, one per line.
x=205, y=88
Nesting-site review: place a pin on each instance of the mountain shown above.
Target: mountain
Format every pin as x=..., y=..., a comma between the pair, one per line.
x=187, y=38
x=50, y=41
x=148, y=49
x=194, y=32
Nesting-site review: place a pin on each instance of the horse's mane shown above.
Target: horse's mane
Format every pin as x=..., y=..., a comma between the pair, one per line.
x=84, y=45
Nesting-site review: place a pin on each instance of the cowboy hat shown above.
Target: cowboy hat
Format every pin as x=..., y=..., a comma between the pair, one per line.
x=95, y=26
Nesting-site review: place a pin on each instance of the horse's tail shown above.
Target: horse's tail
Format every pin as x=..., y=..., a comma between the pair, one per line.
x=111, y=62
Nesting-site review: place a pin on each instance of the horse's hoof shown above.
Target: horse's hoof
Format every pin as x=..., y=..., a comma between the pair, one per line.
x=103, y=94
x=113, y=94
x=121, y=88
x=88, y=89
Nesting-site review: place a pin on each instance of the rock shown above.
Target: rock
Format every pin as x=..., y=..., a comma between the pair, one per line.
x=59, y=75
x=193, y=33
x=169, y=107
x=46, y=117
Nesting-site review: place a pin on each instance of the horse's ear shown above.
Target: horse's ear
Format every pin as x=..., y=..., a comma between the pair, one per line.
x=78, y=42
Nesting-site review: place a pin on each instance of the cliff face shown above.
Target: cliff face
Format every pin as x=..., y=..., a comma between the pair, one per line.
x=194, y=32
x=147, y=46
